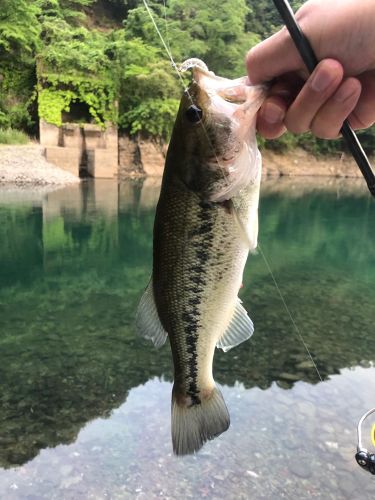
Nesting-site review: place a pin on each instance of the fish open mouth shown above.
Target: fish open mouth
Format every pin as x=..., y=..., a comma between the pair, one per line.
x=237, y=94
x=229, y=109
x=231, y=97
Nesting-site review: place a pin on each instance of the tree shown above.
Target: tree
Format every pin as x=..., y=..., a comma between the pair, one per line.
x=263, y=17
x=149, y=88
x=195, y=29
x=19, y=41
x=68, y=10
x=19, y=31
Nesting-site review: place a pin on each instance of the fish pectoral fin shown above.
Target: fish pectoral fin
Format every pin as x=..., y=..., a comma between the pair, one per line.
x=147, y=320
x=249, y=235
x=239, y=329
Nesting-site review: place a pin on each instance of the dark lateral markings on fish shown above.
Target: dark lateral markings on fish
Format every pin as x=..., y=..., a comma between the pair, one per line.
x=205, y=224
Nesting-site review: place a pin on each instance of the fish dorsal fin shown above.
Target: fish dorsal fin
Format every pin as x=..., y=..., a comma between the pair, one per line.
x=239, y=329
x=147, y=320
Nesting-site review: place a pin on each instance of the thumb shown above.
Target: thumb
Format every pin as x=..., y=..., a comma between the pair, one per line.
x=273, y=57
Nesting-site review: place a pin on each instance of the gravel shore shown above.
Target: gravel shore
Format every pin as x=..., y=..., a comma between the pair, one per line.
x=26, y=166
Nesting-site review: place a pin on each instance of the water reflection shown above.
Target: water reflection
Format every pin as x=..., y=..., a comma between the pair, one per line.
x=74, y=263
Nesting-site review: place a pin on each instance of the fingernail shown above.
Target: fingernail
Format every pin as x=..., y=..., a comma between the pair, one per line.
x=272, y=114
x=321, y=80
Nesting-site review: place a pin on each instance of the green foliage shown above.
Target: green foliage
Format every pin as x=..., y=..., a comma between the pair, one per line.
x=367, y=138
x=76, y=65
x=77, y=48
x=319, y=146
x=17, y=96
x=68, y=10
x=283, y=144
x=19, y=30
x=11, y=136
x=152, y=117
x=149, y=88
x=53, y=57
x=52, y=103
x=192, y=28
x=263, y=17
x=19, y=42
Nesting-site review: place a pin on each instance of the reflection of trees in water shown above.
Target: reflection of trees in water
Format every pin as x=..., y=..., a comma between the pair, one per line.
x=21, y=244
x=335, y=320
x=72, y=356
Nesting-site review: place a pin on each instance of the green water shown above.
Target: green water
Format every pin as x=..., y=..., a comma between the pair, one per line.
x=85, y=404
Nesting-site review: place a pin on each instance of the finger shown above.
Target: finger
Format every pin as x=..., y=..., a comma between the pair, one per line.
x=329, y=119
x=270, y=121
x=288, y=87
x=363, y=115
x=273, y=57
x=321, y=85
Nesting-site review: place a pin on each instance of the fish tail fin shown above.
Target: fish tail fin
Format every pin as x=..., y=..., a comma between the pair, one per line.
x=194, y=424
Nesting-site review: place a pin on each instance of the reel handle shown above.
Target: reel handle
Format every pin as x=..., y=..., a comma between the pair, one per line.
x=366, y=460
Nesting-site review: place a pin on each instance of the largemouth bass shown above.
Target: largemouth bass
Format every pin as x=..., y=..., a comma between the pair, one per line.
x=206, y=222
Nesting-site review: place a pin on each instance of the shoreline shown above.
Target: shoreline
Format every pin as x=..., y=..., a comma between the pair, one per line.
x=25, y=166
x=299, y=163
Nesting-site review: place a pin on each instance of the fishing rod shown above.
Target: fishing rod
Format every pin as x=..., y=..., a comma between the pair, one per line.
x=309, y=58
x=364, y=458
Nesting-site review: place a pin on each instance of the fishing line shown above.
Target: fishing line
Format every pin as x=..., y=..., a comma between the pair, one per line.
x=298, y=331
x=186, y=90
x=174, y=65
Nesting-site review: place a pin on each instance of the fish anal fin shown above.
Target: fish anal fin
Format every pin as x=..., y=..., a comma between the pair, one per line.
x=239, y=329
x=147, y=320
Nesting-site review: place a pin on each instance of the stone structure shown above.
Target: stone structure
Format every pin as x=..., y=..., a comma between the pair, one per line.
x=81, y=148
x=140, y=157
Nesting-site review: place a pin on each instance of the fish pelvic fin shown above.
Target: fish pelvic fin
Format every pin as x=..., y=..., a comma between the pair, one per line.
x=194, y=424
x=147, y=319
x=239, y=329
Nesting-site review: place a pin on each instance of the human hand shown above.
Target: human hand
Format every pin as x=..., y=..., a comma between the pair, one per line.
x=342, y=85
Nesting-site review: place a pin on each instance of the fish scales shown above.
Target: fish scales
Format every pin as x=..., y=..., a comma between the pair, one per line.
x=206, y=221
x=199, y=256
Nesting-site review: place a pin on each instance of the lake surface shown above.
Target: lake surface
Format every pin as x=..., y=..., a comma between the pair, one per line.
x=85, y=403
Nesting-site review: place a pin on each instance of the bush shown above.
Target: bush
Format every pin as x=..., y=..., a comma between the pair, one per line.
x=12, y=136
x=153, y=117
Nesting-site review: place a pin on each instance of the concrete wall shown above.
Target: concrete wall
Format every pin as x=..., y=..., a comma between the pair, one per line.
x=76, y=147
x=102, y=163
x=49, y=134
x=140, y=157
x=68, y=159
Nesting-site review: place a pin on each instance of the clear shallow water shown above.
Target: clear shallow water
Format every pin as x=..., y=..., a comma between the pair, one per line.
x=85, y=404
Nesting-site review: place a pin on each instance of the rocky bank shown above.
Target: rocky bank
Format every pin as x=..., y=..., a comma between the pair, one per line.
x=141, y=157
x=27, y=166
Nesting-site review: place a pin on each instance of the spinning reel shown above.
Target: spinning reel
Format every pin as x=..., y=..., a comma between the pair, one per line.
x=364, y=458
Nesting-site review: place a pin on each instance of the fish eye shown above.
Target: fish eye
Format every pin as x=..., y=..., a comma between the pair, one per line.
x=194, y=114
